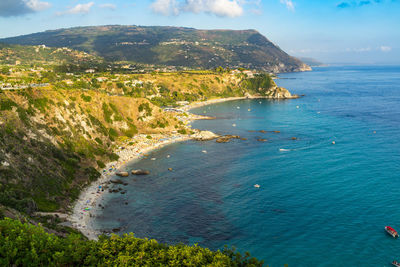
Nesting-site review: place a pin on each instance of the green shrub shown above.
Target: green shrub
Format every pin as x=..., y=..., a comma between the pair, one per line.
x=107, y=113
x=24, y=244
x=7, y=104
x=101, y=164
x=86, y=98
x=182, y=131
x=112, y=132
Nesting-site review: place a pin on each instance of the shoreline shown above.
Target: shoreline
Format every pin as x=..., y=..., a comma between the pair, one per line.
x=220, y=100
x=91, y=196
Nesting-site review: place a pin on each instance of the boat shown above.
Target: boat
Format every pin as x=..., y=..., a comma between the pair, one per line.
x=257, y=186
x=396, y=263
x=391, y=231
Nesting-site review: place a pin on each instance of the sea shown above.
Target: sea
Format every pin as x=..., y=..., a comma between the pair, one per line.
x=328, y=175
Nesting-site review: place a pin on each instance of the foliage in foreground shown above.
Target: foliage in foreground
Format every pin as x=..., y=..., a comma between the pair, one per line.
x=23, y=244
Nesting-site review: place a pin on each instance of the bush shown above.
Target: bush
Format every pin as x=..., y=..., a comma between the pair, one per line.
x=101, y=164
x=86, y=98
x=24, y=244
x=182, y=131
x=7, y=104
x=107, y=113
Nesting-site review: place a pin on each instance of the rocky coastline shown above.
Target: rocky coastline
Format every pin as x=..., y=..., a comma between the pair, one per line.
x=137, y=148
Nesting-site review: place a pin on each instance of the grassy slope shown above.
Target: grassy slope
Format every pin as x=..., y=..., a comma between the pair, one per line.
x=51, y=141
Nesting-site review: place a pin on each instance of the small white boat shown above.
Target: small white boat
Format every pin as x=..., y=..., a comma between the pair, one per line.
x=396, y=263
x=234, y=125
x=257, y=186
x=204, y=151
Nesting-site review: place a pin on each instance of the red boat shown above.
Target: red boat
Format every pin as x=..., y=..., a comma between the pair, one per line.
x=391, y=231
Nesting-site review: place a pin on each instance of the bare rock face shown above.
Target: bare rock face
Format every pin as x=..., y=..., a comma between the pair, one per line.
x=279, y=93
x=205, y=136
x=305, y=67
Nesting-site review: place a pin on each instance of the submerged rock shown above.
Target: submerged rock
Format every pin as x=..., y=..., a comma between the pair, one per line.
x=140, y=172
x=227, y=138
x=116, y=181
x=223, y=140
x=122, y=174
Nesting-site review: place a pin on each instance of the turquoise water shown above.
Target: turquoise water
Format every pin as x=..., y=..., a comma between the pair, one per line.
x=319, y=204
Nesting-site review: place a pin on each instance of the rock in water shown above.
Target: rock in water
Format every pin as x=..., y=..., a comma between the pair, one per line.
x=223, y=140
x=140, y=172
x=123, y=174
x=205, y=136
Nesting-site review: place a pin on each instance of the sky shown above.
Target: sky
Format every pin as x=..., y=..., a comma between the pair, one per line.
x=331, y=31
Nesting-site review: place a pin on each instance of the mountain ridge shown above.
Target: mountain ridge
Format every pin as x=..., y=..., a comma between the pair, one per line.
x=170, y=46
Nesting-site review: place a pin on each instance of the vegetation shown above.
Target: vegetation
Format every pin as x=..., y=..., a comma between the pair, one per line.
x=185, y=47
x=24, y=244
x=61, y=117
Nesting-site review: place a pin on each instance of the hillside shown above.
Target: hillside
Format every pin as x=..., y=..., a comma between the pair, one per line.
x=28, y=55
x=171, y=46
x=58, y=129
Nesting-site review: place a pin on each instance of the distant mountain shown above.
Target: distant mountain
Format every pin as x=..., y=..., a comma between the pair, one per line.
x=173, y=46
x=311, y=61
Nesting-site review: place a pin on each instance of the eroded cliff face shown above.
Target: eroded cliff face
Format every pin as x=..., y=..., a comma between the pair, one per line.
x=279, y=93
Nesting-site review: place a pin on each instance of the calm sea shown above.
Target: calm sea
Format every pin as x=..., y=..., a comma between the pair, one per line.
x=319, y=204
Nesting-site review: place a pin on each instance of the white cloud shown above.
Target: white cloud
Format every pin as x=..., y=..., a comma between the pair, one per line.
x=222, y=8
x=385, y=48
x=78, y=9
x=36, y=5
x=165, y=7
x=108, y=6
x=81, y=8
x=289, y=4
x=9, y=8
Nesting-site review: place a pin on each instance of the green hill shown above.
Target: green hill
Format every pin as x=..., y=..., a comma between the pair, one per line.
x=172, y=46
x=40, y=54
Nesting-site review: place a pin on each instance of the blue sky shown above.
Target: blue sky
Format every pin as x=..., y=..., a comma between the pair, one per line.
x=332, y=31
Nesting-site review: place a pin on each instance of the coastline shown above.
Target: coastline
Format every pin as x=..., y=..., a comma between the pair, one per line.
x=91, y=196
x=220, y=100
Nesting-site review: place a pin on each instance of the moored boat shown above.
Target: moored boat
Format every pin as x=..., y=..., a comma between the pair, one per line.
x=391, y=231
x=395, y=263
